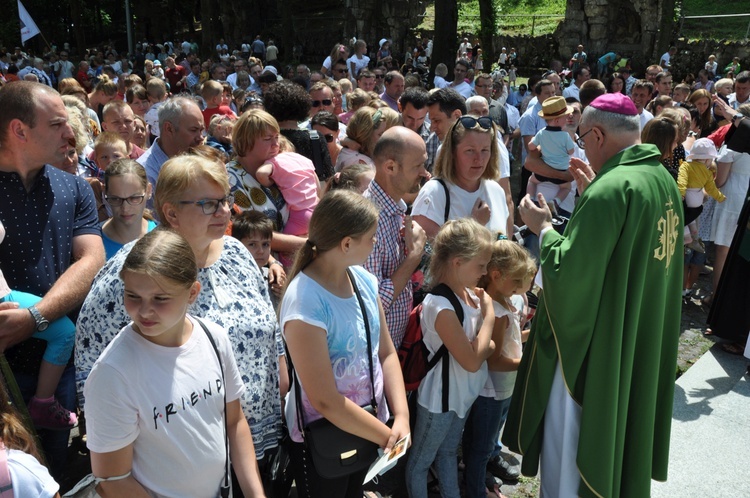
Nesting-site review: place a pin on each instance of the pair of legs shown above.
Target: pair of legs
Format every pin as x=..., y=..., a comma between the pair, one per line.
x=483, y=425
x=562, y=192
x=60, y=336
x=435, y=438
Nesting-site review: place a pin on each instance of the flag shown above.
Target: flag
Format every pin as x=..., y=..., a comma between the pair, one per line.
x=28, y=26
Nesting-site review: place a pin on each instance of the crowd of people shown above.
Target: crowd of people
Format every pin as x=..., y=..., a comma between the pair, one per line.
x=176, y=231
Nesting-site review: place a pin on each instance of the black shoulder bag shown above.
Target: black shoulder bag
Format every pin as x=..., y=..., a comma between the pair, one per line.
x=336, y=453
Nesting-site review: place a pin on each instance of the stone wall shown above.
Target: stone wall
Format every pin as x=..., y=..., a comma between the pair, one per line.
x=533, y=52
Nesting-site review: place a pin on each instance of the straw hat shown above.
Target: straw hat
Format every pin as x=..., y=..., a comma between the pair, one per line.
x=554, y=107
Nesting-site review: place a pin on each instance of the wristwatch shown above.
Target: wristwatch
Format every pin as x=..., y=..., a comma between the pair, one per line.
x=737, y=118
x=41, y=322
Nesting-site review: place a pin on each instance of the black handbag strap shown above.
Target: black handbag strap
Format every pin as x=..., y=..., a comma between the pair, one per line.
x=225, y=488
x=298, y=391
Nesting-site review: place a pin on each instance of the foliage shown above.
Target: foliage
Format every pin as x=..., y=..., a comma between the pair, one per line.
x=718, y=28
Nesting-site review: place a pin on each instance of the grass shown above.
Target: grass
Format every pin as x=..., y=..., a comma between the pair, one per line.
x=717, y=28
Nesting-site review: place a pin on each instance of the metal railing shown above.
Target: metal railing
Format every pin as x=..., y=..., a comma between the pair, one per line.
x=747, y=33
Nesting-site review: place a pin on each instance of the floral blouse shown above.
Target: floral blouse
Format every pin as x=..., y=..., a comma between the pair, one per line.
x=234, y=295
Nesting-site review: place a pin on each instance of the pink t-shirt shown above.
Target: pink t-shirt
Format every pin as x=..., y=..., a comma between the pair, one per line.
x=4, y=289
x=295, y=176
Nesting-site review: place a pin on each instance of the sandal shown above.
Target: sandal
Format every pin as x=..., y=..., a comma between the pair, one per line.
x=733, y=348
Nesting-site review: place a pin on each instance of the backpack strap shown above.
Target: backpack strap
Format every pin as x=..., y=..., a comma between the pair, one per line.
x=447, y=203
x=443, y=290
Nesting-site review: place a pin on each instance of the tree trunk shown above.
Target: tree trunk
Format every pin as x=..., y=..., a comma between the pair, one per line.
x=208, y=38
x=76, y=14
x=487, y=33
x=444, y=43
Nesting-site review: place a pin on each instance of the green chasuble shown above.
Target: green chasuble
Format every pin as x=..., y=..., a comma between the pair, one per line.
x=610, y=313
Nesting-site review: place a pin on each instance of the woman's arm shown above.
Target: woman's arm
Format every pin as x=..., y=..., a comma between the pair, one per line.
x=722, y=173
x=430, y=227
x=393, y=383
x=286, y=243
x=114, y=464
x=470, y=355
x=309, y=350
x=242, y=451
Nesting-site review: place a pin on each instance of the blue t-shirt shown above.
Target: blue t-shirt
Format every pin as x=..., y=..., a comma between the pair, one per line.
x=555, y=144
x=111, y=247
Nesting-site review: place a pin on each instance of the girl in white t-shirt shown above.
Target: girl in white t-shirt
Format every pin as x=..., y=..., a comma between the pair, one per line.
x=461, y=251
x=358, y=61
x=509, y=275
x=158, y=397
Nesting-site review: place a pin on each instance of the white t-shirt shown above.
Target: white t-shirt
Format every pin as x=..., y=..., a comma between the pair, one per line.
x=665, y=59
x=463, y=88
x=463, y=386
x=168, y=402
x=431, y=203
x=499, y=385
x=359, y=64
x=645, y=118
x=440, y=82
x=29, y=477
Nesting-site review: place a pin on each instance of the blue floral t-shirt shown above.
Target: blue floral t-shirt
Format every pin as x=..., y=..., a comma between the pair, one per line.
x=342, y=319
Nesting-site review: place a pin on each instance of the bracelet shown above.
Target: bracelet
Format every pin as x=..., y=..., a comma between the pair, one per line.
x=275, y=262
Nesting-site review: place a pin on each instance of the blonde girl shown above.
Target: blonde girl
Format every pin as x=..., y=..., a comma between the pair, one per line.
x=509, y=275
x=158, y=397
x=461, y=252
x=324, y=328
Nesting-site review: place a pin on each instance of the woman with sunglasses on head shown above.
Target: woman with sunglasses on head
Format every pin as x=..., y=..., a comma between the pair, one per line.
x=467, y=169
x=193, y=199
x=126, y=190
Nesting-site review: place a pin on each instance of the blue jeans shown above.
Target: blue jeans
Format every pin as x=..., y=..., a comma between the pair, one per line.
x=480, y=439
x=54, y=443
x=435, y=438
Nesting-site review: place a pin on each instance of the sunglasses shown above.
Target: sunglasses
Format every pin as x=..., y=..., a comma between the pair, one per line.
x=380, y=76
x=470, y=122
x=345, y=70
x=326, y=102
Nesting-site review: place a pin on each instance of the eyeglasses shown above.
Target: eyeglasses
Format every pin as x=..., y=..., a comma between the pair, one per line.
x=329, y=137
x=133, y=200
x=470, y=122
x=579, y=140
x=211, y=206
x=345, y=70
x=326, y=102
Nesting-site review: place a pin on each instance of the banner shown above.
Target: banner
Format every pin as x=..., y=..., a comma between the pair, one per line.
x=28, y=26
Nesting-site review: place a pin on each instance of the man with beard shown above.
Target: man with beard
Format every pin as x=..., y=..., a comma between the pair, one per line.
x=399, y=157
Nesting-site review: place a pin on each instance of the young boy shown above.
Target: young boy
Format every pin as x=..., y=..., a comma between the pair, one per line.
x=255, y=230
x=556, y=146
x=109, y=147
x=680, y=94
x=213, y=94
x=156, y=90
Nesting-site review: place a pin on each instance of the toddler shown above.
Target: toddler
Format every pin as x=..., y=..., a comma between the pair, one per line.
x=45, y=411
x=295, y=176
x=109, y=147
x=694, y=176
x=555, y=145
x=156, y=90
x=213, y=94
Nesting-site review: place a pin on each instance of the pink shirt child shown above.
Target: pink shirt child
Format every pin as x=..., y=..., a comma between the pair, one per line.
x=295, y=176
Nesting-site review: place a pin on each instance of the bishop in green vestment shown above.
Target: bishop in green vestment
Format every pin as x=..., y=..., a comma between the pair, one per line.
x=609, y=313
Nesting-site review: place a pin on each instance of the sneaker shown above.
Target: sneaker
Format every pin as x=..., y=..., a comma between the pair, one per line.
x=499, y=467
x=52, y=416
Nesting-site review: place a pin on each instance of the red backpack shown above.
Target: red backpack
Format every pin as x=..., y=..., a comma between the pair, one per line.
x=414, y=355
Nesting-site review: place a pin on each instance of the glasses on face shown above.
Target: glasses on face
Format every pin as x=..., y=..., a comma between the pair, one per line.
x=344, y=70
x=329, y=137
x=379, y=76
x=326, y=102
x=580, y=141
x=211, y=206
x=133, y=200
x=470, y=122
